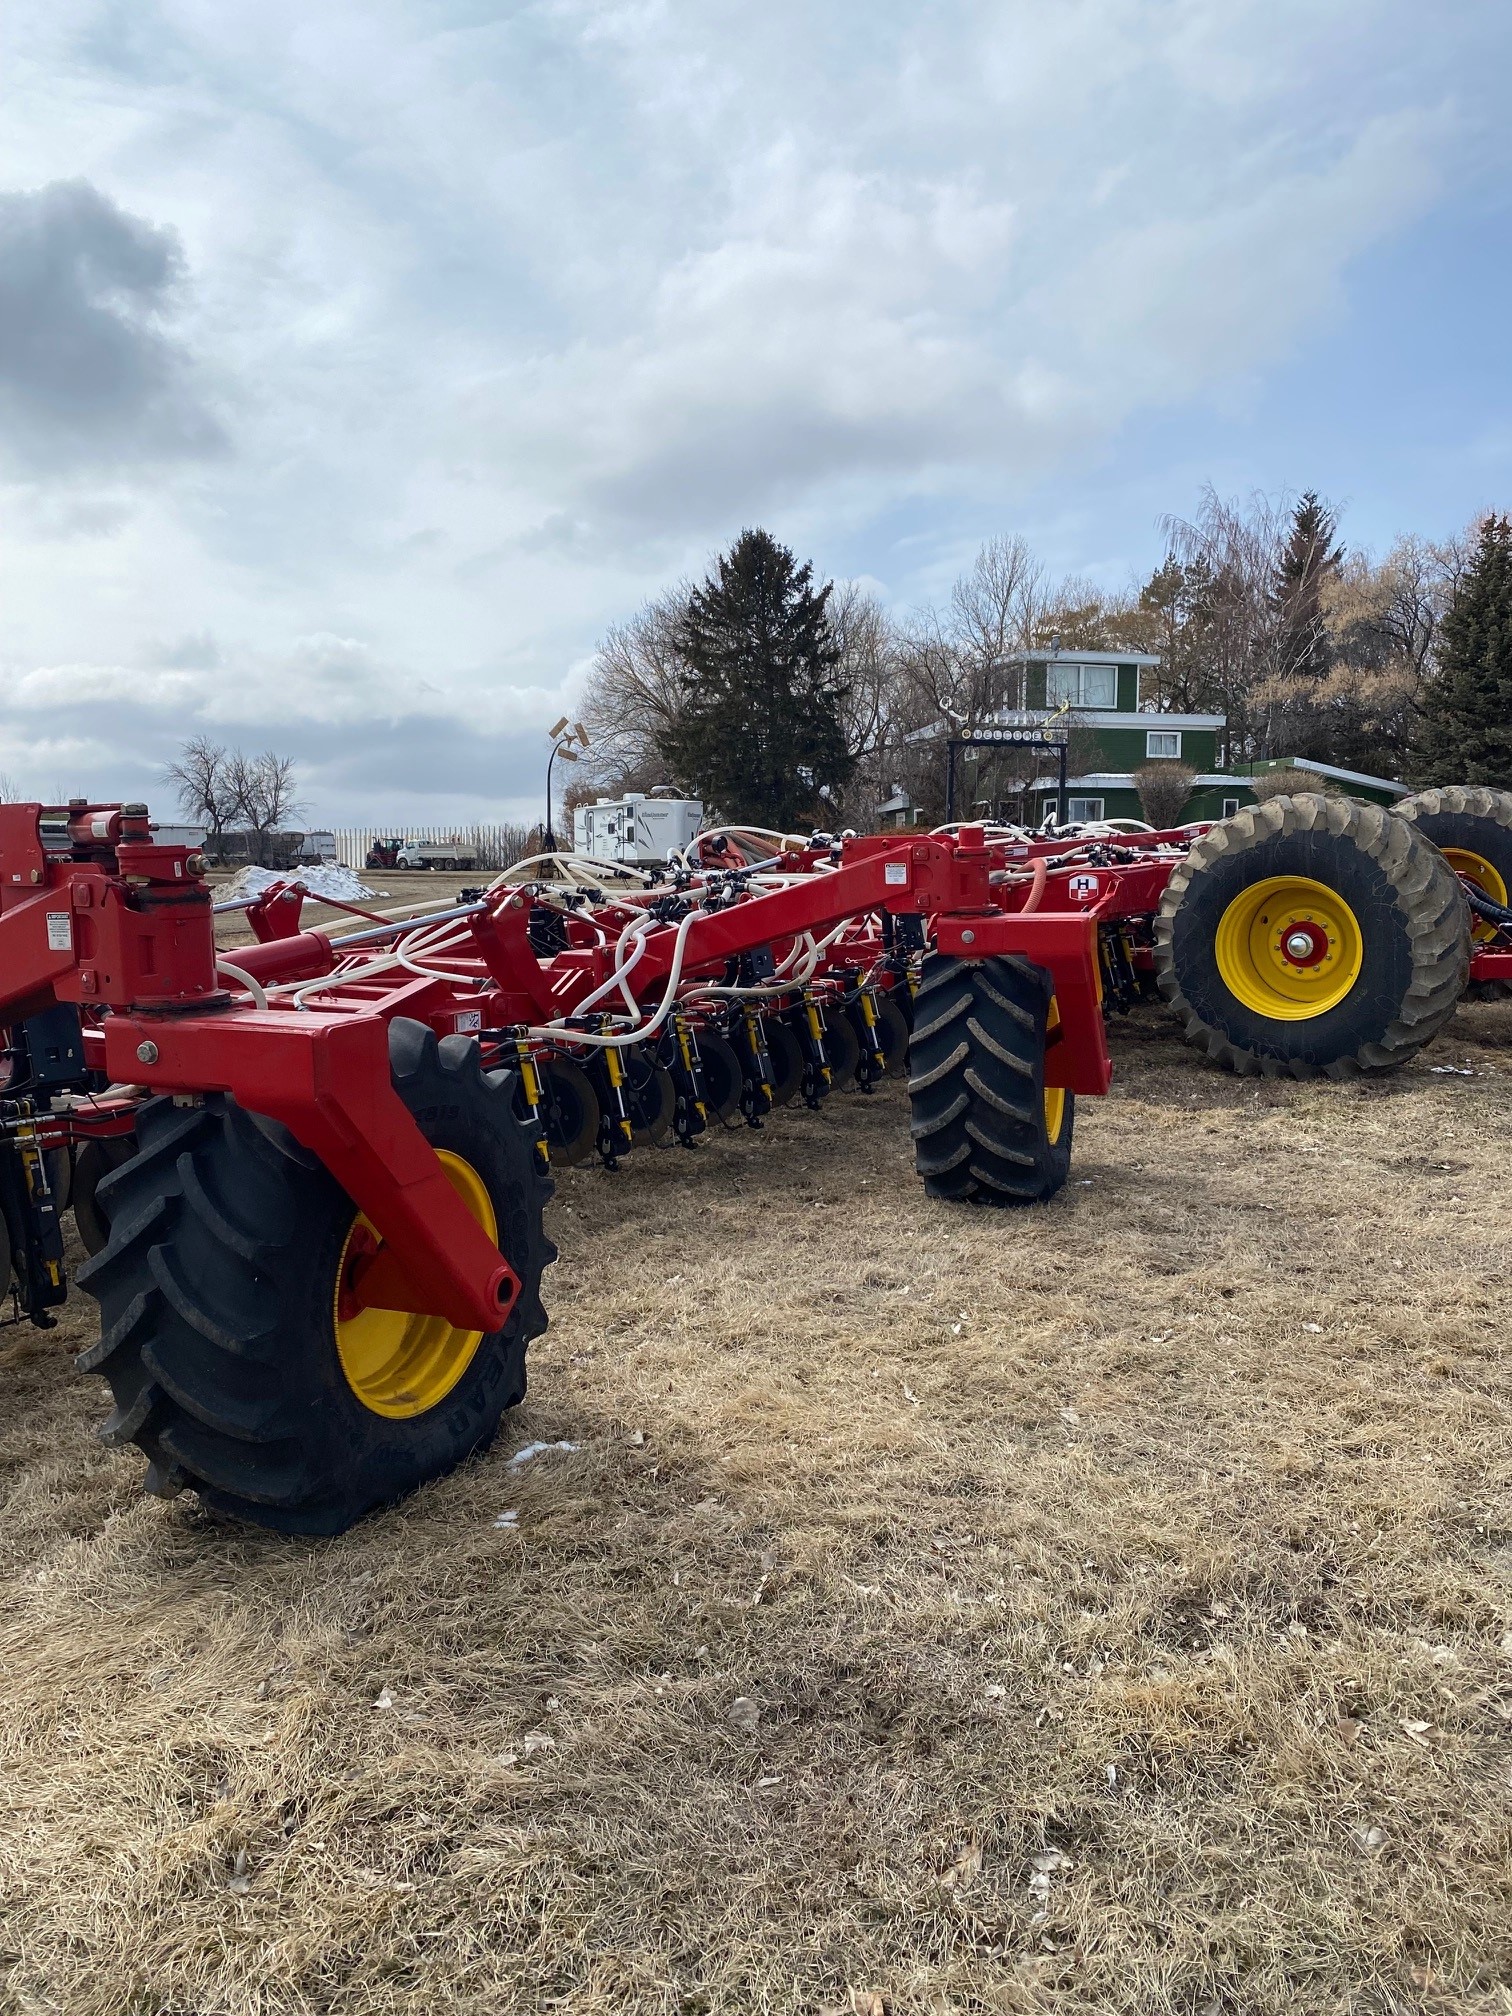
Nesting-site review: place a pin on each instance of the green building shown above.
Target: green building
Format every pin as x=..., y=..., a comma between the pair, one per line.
x=1096, y=700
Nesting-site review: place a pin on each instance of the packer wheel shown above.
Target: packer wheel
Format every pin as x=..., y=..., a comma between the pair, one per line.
x=985, y=1125
x=1310, y=937
x=723, y=1076
x=234, y=1364
x=569, y=1111
x=786, y=1054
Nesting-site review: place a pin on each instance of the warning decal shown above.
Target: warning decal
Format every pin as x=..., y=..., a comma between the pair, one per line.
x=59, y=931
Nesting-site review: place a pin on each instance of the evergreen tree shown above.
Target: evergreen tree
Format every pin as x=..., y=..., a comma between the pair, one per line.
x=1303, y=566
x=758, y=729
x=1465, y=732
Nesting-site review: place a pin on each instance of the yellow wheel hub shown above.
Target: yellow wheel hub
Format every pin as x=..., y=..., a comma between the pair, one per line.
x=1289, y=948
x=1054, y=1095
x=1488, y=879
x=396, y=1362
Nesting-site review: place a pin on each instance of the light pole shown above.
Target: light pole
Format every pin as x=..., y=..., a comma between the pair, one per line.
x=565, y=740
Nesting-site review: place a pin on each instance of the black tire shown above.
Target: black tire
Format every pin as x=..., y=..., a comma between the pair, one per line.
x=980, y=1115
x=1414, y=937
x=569, y=1110
x=842, y=1047
x=722, y=1075
x=92, y=1164
x=785, y=1054
x=217, y=1292
x=650, y=1096
x=1470, y=820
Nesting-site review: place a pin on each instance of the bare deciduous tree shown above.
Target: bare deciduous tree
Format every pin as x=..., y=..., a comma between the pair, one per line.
x=203, y=776
x=1164, y=789
x=634, y=694
x=265, y=795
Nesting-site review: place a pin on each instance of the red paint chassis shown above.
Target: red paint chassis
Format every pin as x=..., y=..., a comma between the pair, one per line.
x=94, y=913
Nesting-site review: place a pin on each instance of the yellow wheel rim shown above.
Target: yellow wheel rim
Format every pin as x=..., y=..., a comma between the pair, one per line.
x=1054, y=1095
x=398, y=1363
x=1488, y=879
x=1289, y=948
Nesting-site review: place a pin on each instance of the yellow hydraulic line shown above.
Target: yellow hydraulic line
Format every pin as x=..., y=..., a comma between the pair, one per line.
x=816, y=1030
x=616, y=1069
x=37, y=1186
x=752, y=1020
x=530, y=1080
x=690, y=1063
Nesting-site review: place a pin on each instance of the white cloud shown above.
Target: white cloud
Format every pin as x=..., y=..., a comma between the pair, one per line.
x=512, y=316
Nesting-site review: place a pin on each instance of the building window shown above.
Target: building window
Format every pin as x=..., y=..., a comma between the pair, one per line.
x=1163, y=742
x=1081, y=685
x=1230, y=807
x=1081, y=811
x=1050, y=816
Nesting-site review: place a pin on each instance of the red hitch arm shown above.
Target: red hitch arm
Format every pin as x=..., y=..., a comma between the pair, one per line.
x=326, y=1078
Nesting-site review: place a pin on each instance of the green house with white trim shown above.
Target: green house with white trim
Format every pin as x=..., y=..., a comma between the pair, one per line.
x=1097, y=699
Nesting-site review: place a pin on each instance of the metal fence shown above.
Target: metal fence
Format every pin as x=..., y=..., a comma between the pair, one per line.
x=493, y=847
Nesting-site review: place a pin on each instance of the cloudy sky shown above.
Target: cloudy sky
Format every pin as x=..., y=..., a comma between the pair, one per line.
x=361, y=359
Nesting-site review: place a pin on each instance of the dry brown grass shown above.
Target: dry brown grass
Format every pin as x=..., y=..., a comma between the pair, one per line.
x=1122, y=1588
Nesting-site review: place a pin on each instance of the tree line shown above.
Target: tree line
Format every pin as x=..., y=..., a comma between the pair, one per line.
x=779, y=701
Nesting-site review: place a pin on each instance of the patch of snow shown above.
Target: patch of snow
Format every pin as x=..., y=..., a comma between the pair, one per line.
x=533, y=1449
x=329, y=879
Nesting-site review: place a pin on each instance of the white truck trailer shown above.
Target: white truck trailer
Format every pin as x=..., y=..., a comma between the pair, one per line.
x=636, y=829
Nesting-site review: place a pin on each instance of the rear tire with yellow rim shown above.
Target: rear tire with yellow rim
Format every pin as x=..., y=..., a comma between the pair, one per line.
x=1471, y=825
x=1312, y=937
x=240, y=1361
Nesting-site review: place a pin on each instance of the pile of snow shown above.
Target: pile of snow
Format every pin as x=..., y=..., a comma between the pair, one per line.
x=327, y=879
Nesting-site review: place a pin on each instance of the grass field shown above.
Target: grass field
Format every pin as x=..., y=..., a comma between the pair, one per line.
x=1105, y=1608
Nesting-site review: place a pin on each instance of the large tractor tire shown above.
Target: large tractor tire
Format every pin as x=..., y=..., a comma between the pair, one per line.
x=1471, y=826
x=232, y=1365
x=985, y=1126
x=1312, y=937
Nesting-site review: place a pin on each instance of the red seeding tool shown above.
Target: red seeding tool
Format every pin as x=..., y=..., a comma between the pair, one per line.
x=310, y=1172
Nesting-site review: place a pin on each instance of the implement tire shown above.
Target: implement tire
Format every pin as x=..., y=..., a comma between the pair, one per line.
x=231, y=1365
x=1312, y=937
x=1471, y=825
x=984, y=1127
